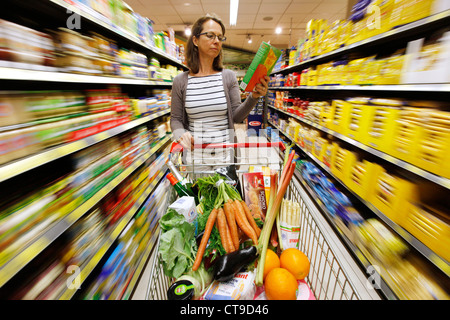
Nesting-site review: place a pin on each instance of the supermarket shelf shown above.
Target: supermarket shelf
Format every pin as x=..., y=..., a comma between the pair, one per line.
x=363, y=261
x=444, y=182
x=17, y=167
x=138, y=272
x=7, y=73
x=384, y=287
x=438, y=87
x=15, y=264
x=89, y=266
x=435, y=259
x=441, y=19
x=100, y=20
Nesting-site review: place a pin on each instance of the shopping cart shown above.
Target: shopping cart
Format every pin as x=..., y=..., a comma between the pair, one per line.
x=334, y=275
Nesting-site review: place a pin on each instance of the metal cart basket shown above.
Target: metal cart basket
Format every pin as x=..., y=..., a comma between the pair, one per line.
x=334, y=274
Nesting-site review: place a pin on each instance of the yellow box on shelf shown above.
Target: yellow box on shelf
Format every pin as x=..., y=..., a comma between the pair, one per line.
x=312, y=78
x=330, y=153
x=391, y=195
x=319, y=148
x=362, y=178
x=343, y=160
x=340, y=115
x=434, y=146
x=430, y=225
x=381, y=125
x=407, y=134
x=358, y=123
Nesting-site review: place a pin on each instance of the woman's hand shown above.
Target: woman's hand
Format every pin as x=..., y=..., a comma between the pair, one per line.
x=261, y=88
x=187, y=141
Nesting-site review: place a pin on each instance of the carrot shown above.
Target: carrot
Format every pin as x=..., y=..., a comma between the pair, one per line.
x=229, y=213
x=222, y=226
x=242, y=222
x=201, y=248
x=230, y=240
x=250, y=218
x=287, y=166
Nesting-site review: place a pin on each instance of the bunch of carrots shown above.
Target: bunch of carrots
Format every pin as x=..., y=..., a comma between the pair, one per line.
x=229, y=213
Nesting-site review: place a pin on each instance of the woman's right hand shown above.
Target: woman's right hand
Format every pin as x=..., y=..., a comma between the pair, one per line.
x=187, y=141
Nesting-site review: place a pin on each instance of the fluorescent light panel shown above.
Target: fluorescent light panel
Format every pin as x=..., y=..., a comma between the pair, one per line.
x=234, y=5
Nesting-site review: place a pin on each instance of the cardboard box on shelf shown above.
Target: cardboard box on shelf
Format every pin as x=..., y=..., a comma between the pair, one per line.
x=427, y=62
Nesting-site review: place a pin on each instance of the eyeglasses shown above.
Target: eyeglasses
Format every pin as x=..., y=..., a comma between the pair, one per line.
x=212, y=36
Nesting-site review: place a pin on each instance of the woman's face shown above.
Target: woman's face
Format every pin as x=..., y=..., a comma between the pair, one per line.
x=206, y=46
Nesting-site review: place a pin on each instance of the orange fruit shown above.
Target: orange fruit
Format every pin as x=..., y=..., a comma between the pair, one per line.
x=296, y=262
x=280, y=284
x=272, y=261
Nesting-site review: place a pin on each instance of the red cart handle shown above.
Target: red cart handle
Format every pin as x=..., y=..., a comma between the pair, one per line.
x=176, y=147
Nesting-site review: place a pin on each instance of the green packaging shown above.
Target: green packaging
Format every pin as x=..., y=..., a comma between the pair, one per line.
x=262, y=65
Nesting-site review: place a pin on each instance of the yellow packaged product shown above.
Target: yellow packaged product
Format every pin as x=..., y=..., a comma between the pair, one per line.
x=414, y=10
x=434, y=145
x=386, y=8
x=391, y=69
x=319, y=148
x=340, y=111
x=355, y=68
x=392, y=194
x=342, y=163
x=395, y=19
x=330, y=153
x=407, y=133
x=362, y=177
x=358, y=121
x=381, y=124
x=430, y=224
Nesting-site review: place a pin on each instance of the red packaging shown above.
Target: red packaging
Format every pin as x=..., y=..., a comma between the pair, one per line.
x=254, y=193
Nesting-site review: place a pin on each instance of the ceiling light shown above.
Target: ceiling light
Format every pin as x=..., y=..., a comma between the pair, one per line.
x=187, y=31
x=234, y=4
x=278, y=30
x=249, y=39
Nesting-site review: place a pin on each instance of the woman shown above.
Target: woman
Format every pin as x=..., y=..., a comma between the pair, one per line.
x=206, y=100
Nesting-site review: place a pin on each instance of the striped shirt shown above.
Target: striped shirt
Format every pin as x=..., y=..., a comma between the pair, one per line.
x=207, y=110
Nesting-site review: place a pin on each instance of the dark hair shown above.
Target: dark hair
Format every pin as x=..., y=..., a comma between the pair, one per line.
x=192, y=59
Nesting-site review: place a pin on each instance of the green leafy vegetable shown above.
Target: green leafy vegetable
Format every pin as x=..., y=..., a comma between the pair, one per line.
x=177, y=245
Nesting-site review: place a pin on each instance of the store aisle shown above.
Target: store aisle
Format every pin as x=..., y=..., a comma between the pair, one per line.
x=251, y=156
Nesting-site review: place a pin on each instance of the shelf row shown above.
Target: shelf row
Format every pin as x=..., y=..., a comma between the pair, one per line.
x=399, y=163
x=439, y=87
x=431, y=22
x=48, y=76
x=17, y=167
x=435, y=259
x=14, y=264
x=88, y=267
x=383, y=286
x=101, y=21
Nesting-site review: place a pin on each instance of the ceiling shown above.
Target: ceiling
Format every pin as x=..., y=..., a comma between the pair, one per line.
x=253, y=19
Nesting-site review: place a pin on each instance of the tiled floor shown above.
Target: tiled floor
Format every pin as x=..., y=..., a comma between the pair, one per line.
x=254, y=156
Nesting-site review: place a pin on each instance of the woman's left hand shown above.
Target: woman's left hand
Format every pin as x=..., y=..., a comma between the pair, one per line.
x=261, y=88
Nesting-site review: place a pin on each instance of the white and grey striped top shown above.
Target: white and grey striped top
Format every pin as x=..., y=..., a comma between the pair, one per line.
x=206, y=107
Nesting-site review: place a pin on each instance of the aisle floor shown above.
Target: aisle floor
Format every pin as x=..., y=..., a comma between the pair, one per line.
x=249, y=156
